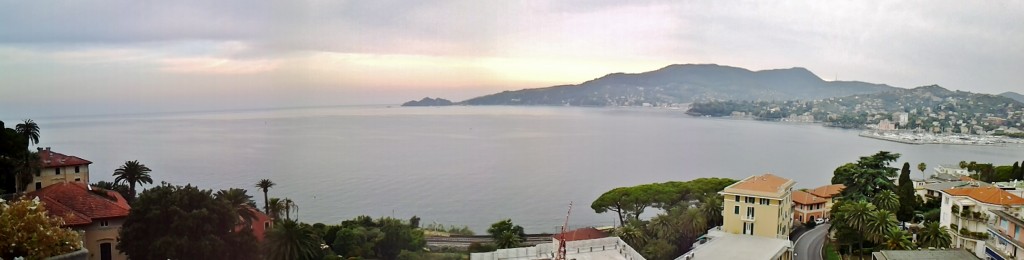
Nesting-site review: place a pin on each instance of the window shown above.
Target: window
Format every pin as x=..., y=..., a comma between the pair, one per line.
x=39, y=185
x=58, y=170
x=78, y=179
x=736, y=210
x=104, y=223
x=1016, y=233
x=750, y=200
x=39, y=172
x=737, y=198
x=766, y=202
x=76, y=169
x=750, y=212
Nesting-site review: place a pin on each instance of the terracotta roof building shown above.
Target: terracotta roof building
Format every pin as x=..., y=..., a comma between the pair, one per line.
x=808, y=207
x=96, y=212
x=59, y=168
x=828, y=191
x=581, y=234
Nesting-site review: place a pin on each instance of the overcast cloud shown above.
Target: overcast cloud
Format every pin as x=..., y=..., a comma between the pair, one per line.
x=100, y=57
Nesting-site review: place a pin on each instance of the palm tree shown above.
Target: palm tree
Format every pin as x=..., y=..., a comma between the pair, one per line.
x=896, y=239
x=693, y=223
x=290, y=240
x=632, y=234
x=132, y=173
x=290, y=205
x=275, y=207
x=30, y=131
x=508, y=239
x=858, y=213
x=879, y=222
x=934, y=235
x=264, y=185
x=712, y=210
x=922, y=167
x=887, y=200
x=241, y=202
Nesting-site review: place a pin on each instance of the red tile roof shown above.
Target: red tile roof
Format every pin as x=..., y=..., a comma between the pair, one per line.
x=990, y=195
x=582, y=234
x=54, y=159
x=828, y=191
x=79, y=206
x=802, y=197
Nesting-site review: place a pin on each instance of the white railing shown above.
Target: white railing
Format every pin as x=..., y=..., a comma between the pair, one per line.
x=547, y=251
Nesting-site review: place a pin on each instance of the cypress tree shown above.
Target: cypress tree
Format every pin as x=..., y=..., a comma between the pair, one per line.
x=1018, y=173
x=905, y=191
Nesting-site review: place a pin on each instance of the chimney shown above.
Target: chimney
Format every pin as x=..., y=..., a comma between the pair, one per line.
x=47, y=148
x=39, y=149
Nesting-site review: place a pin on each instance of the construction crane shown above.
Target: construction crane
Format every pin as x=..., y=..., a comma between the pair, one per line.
x=561, y=237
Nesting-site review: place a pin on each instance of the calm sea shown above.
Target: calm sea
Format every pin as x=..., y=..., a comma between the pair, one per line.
x=468, y=165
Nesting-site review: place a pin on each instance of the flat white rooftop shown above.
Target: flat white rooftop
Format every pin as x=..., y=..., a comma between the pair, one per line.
x=724, y=245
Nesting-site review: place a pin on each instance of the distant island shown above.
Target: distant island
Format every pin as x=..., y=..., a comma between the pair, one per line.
x=428, y=102
x=676, y=85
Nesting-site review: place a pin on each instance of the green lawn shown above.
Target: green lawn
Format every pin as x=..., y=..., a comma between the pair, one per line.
x=830, y=252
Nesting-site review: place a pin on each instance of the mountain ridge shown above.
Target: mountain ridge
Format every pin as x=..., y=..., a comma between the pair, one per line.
x=684, y=83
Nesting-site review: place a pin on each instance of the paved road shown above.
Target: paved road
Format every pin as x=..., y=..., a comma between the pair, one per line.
x=810, y=244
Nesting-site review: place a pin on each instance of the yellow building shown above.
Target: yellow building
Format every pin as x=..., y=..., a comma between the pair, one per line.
x=59, y=168
x=830, y=193
x=760, y=205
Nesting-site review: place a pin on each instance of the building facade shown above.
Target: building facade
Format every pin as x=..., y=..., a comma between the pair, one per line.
x=59, y=168
x=97, y=214
x=967, y=212
x=831, y=194
x=807, y=207
x=1005, y=239
x=759, y=205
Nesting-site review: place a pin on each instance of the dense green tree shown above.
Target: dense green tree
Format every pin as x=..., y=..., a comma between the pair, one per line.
x=290, y=240
x=896, y=239
x=241, y=203
x=887, y=200
x=175, y=222
x=506, y=234
x=907, y=197
x=132, y=173
x=867, y=177
x=630, y=202
x=265, y=185
x=356, y=241
x=934, y=235
x=396, y=237
x=414, y=221
x=12, y=154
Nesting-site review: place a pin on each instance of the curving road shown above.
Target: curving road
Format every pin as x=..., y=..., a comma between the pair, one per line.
x=809, y=245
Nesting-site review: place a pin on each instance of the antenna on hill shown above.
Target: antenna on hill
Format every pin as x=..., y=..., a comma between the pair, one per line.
x=561, y=237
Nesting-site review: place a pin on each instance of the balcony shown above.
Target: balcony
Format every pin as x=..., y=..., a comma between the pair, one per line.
x=747, y=218
x=1003, y=244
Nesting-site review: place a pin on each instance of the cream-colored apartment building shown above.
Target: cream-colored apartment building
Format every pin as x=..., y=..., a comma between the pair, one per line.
x=759, y=205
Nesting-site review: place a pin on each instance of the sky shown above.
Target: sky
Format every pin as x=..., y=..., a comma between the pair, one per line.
x=66, y=58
